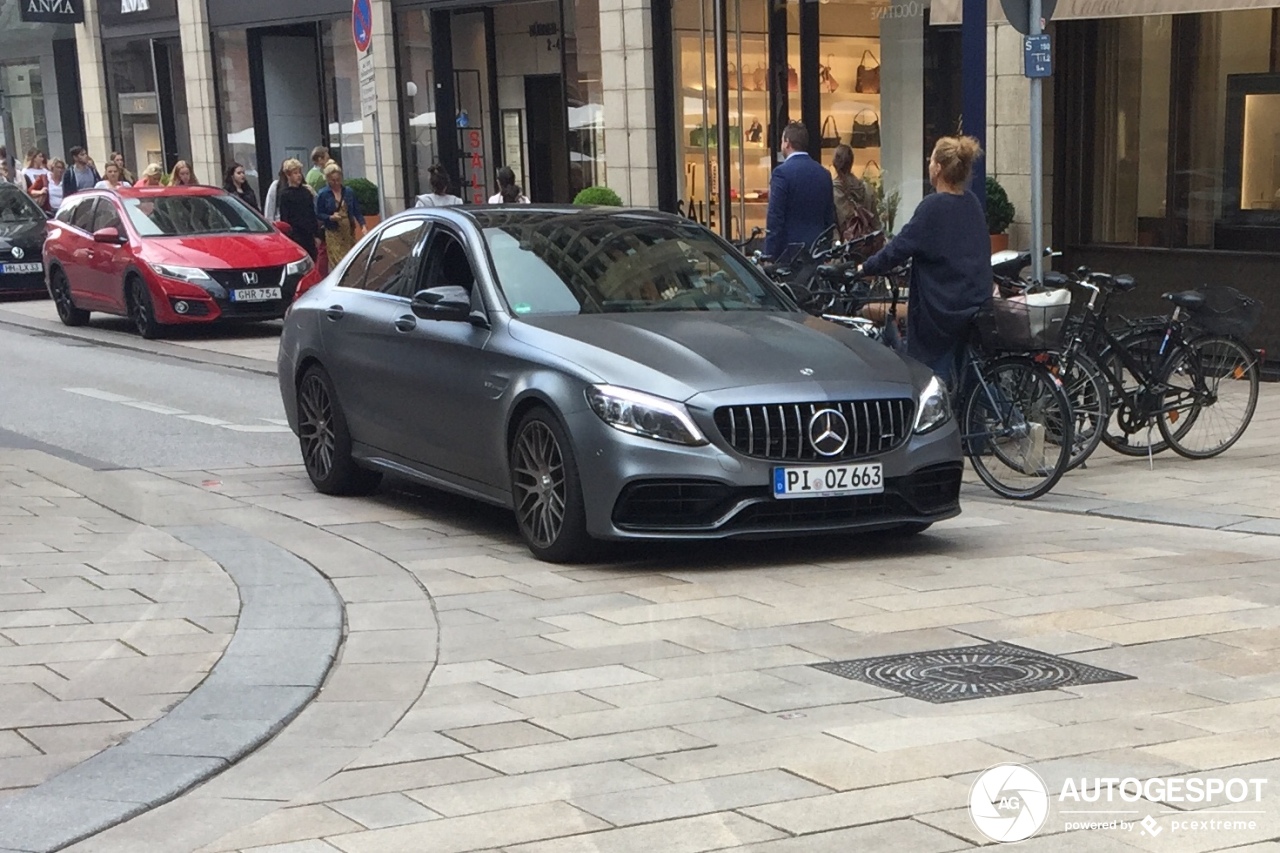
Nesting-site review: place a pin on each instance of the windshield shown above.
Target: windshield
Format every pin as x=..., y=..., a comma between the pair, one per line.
x=15, y=206
x=593, y=264
x=185, y=215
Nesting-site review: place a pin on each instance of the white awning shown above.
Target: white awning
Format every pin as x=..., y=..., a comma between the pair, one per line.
x=949, y=11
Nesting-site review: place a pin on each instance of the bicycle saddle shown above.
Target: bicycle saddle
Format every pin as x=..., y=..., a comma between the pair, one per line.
x=1124, y=283
x=1188, y=299
x=1056, y=280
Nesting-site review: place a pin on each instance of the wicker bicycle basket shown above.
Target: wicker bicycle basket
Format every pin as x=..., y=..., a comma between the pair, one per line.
x=1226, y=311
x=1011, y=325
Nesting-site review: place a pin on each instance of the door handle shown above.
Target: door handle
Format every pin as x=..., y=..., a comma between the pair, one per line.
x=407, y=323
x=335, y=312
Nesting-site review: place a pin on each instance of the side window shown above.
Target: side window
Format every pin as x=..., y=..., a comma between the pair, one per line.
x=82, y=216
x=394, y=266
x=447, y=262
x=106, y=216
x=67, y=210
x=354, y=276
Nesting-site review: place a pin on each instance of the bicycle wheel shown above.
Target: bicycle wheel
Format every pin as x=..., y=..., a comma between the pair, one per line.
x=1017, y=428
x=1213, y=391
x=1086, y=388
x=1131, y=430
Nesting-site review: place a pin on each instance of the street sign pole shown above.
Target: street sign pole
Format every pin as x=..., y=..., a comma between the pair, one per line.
x=1037, y=155
x=362, y=35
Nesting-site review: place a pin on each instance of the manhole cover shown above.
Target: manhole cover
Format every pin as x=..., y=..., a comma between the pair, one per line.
x=971, y=672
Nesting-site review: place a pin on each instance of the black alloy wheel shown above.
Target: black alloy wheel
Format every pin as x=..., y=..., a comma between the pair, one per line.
x=326, y=441
x=60, y=290
x=141, y=310
x=546, y=490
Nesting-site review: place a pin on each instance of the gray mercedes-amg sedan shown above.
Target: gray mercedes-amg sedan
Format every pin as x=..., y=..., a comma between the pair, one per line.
x=607, y=374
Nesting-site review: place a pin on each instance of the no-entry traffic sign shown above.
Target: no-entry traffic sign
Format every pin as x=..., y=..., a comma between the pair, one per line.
x=361, y=25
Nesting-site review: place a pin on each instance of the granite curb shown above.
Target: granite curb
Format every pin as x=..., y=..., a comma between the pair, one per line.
x=286, y=639
x=1145, y=513
x=115, y=340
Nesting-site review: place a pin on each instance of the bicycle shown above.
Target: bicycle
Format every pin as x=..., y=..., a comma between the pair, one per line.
x=1016, y=421
x=1164, y=379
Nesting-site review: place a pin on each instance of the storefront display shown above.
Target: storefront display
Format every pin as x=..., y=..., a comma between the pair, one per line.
x=846, y=84
x=516, y=84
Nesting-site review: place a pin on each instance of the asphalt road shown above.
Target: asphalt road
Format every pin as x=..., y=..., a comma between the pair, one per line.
x=113, y=408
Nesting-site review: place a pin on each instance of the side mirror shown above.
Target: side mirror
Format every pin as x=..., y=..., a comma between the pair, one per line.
x=284, y=228
x=442, y=303
x=108, y=235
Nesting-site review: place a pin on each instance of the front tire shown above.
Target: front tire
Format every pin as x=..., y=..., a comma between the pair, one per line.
x=60, y=292
x=546, y=490
x=326, y=441
x=142, y=310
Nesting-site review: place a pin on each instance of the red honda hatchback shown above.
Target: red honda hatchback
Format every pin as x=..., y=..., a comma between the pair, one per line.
x=170, y=255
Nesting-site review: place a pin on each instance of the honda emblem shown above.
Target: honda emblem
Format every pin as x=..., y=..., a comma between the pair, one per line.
x=250, y=278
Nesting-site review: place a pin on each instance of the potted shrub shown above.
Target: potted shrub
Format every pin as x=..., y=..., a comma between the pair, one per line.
x=367, y=197
x=598, y=196
x=1000, y=213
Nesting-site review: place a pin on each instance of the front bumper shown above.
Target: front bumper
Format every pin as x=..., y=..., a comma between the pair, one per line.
x=636, y=488
x=212, y=302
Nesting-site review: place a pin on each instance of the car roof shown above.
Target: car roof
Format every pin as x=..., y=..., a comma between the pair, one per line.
x=495, y=215
x=152, y=192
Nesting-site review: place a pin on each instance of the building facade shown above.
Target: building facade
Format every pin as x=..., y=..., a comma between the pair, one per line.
x=1160, y=144
x=40, y=106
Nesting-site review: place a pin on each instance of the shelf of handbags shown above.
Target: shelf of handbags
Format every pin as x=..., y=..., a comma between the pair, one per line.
x=849, y=84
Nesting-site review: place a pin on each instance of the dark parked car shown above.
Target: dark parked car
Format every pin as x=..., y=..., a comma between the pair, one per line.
x=22, y=227
x=608, y=375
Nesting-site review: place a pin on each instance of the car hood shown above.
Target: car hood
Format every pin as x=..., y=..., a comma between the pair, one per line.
x=223, y=252
x=24, y=234
x=680, y=355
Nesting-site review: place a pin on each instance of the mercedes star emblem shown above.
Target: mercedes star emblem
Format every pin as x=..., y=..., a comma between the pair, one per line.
x=828, y=432
x=18, y=254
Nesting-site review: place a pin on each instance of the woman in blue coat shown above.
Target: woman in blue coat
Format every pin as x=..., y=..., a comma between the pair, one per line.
x=950, y=253
x=338, y=213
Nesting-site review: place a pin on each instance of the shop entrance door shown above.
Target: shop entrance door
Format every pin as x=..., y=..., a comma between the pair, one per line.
x=287, y=95
x=548, y=143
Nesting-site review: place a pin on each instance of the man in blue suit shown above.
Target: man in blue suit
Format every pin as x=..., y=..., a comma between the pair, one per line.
x=801, y=198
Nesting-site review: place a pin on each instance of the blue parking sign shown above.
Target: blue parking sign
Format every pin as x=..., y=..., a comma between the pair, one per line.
x=1037, y=56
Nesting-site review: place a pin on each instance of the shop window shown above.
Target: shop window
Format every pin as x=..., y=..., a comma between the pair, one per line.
x=23, y=88
x=1260, y=152
x=148, y=103
x=1161, y=147
x=416, y=64
x=342, y=96
x=235, y=107
x=584, y=83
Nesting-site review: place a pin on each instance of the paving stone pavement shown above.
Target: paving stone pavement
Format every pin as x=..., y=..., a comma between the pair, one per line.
x=664, y=701
x=104, y=624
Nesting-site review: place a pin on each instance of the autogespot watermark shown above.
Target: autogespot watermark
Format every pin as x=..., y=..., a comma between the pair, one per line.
x=1010, y=803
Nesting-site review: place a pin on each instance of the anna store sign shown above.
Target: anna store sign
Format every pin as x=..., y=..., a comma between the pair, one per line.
x=52, y=11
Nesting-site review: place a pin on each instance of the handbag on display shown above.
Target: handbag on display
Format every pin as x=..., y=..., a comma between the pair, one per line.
x=697, y=137
x=830, y=134
x=755, y=133
x=760, y=77
x=793, y=80
x=733, y=77
x=826, y=80
x=868, y=82
x=867, y=174
x=866, y=134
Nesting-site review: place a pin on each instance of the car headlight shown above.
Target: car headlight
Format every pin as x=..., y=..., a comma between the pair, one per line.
x=301, y=267
x=642, y=414
x=194, y=275
x=933, y=408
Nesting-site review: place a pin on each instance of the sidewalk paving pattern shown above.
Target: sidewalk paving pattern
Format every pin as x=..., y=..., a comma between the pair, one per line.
x=482, y=701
